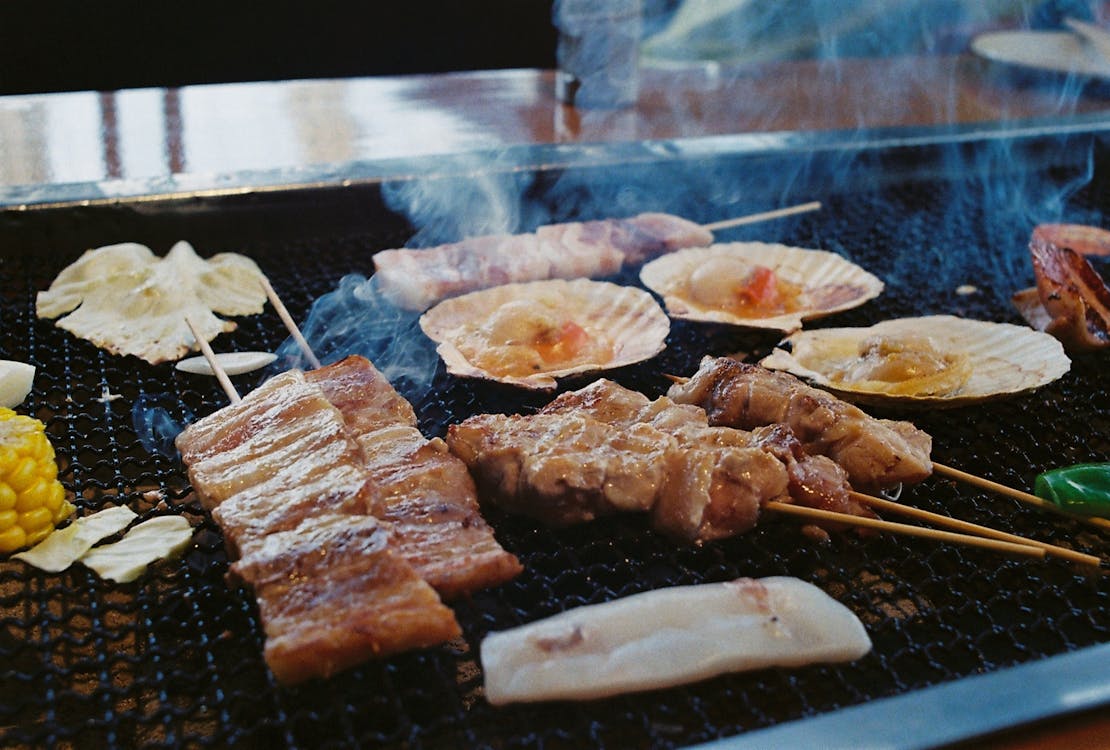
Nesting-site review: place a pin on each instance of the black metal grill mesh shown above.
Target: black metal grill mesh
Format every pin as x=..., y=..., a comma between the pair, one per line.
x=174, y=658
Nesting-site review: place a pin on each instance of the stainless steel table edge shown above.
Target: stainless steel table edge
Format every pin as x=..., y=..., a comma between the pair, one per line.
x=536, y=157
x=952, y=712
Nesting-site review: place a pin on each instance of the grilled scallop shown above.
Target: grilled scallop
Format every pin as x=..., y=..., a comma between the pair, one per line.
x=758, y=285
x=938, y=360
x=529, y=334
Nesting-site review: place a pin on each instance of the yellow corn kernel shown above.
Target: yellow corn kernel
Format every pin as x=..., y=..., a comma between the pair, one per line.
x=32, y=500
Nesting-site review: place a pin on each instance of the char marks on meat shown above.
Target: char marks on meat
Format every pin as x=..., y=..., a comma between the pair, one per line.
x=420, y=489
x=606, y=449
x=875, y=453
x=417, y=279
x=345, y=521
x=332, y=592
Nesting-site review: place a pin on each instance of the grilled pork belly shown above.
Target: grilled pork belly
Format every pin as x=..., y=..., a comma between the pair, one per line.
x=333, y=592
x=424, y=492
x=606, y=449
x=290, y=489
x=417, y=279
x=875, y=453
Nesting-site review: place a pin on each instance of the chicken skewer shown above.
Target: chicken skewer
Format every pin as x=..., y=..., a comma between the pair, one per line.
x=605, y=449
x=744, y=395
x=416, y=279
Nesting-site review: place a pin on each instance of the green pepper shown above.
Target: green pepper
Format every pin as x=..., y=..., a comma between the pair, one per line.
x=1082, y=489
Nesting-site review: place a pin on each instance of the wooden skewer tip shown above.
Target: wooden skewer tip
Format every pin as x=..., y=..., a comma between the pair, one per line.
x=763, y=216
x=973, y=528
x=966, y=540
x=221, y=375
x=290, y=324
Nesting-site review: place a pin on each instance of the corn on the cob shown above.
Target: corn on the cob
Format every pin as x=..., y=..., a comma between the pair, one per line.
x=32, y=500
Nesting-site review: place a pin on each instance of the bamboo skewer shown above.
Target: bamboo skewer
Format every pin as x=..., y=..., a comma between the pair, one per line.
x=221, y=376
x=973, y=528
x=997, y=545
x=778, y=213
x=1024, y=497
x=290, y=325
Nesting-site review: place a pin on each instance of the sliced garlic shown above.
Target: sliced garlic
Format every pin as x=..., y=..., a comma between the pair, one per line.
x=65, y=546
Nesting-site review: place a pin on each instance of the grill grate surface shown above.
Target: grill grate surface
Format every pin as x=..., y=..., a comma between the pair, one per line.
x=175, y=658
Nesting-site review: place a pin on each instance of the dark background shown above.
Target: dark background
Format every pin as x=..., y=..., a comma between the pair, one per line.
x=64, y=45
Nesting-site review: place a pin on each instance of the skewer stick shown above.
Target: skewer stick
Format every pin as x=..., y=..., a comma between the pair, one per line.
x=291, y=326
x=221, y=376
x=973, y=528
x=778, y=213
x=1024, y=497
x=904, y=529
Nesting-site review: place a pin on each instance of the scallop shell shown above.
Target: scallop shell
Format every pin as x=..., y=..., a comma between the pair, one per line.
x=989, y=360
x=624, y=321
x=828, y=283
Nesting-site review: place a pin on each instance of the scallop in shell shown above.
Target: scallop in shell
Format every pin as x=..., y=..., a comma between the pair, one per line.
x=938, y=360
x=529, y=334
x=758, y=285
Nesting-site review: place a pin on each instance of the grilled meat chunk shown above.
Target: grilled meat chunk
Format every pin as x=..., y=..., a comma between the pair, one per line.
x=605, y=449
x=875, y=453
x=333, y=592
x=417, y=279
x=423, y=492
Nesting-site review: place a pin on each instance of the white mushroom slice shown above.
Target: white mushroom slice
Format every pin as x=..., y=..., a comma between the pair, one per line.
x=65, y=546
x=530, y=334
x=130, y=301
x=758, y=285
x=16, y=379
x=937, y=360
x=233, y=363
x=670, y=637
x=127, y=559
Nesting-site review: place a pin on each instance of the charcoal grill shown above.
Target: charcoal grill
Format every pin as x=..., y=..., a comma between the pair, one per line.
x=174, y=659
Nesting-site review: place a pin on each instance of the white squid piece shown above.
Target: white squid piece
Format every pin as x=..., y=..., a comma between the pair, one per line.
x=670, y=637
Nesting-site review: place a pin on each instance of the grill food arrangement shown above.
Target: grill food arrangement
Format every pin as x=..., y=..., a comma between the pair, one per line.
x=176, y=657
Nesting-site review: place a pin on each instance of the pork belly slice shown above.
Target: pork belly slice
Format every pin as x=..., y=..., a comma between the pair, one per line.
x=644, y=236
x=417, y=279
x=244, y=443
x=425, y=494
x=875, y=453
x=332, y=592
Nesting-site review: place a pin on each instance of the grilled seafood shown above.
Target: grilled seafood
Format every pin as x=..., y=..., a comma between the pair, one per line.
x=758, y=285
x=1071, y=301
x=937, y=360
x=670, y=637
x=529, y=334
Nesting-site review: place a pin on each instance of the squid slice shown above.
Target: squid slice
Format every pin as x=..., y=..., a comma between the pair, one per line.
x=127, y=300
x=670, y=637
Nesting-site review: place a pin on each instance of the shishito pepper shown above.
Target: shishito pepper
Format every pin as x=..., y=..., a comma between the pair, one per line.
x=1082, y=489
x=32, y=500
